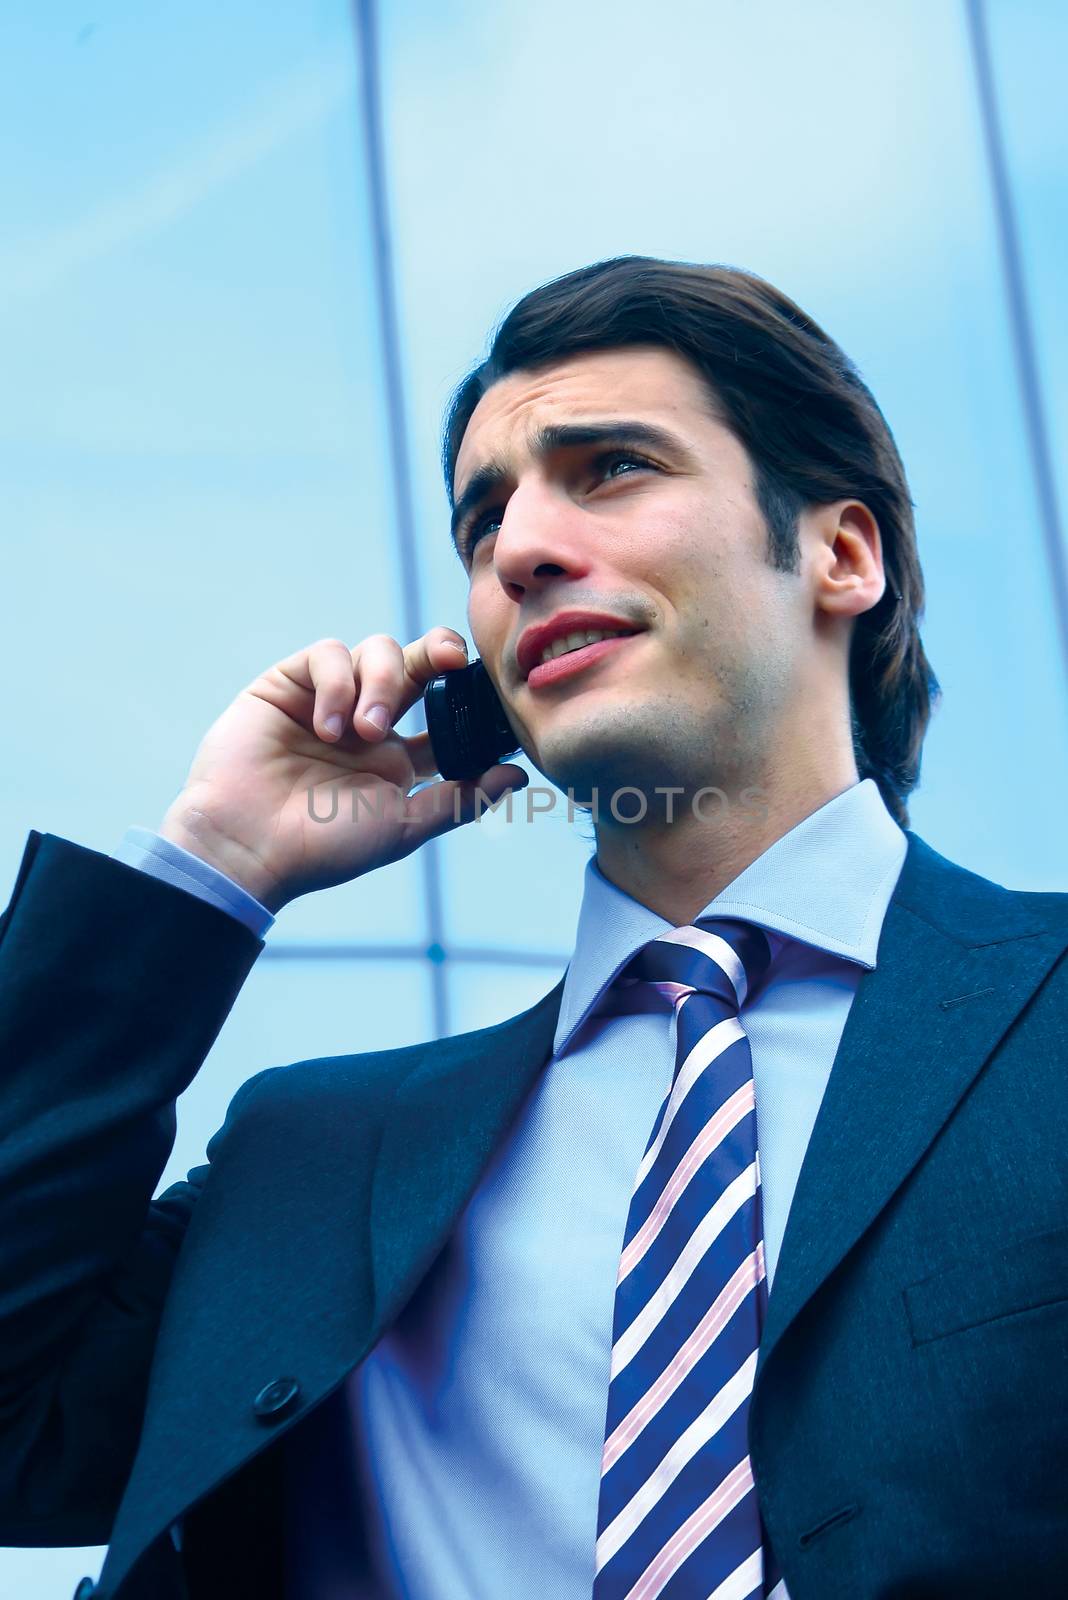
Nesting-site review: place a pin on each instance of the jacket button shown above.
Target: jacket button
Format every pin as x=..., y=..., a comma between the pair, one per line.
x=85, y=1590
x=275, y=1398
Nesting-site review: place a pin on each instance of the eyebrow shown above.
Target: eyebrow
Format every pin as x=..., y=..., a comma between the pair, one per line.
x=488, y=479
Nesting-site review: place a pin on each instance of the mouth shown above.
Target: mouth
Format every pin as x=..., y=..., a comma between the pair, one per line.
x=569, y=630
x=572, y=662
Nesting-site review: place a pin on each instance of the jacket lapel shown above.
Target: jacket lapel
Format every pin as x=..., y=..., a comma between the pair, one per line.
x=958, y=958
x=449, y=1115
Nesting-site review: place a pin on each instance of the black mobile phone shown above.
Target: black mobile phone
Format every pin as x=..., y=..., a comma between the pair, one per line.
x=466, y=721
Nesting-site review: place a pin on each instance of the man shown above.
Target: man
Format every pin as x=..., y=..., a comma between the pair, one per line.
x=489, y=1316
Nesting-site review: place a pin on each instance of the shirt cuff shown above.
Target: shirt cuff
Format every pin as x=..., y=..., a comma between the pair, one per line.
x=162, y=858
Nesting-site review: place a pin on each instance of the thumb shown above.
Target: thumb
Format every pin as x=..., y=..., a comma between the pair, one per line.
x=496, y=781
x=455, y=801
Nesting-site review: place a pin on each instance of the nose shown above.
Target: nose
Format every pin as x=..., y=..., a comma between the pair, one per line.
x=542, y=535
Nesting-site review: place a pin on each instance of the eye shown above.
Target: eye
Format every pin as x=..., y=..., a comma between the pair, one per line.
x=476, y=529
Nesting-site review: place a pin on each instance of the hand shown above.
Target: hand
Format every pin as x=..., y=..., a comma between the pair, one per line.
x=246, y=809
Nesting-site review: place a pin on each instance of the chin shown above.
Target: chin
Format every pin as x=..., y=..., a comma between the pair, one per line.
x=614, y=753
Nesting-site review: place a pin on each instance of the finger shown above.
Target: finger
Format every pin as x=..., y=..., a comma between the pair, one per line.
x=396, y=678
x=322, y=675
x=444, y=806
x=377, y=671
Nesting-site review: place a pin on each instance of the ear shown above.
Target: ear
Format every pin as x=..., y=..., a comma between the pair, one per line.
x=848, y=559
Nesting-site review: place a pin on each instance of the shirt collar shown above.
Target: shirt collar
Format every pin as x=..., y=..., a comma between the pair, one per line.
x=828, y=882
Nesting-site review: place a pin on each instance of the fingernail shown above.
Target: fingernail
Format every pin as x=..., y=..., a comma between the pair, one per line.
x=379, y=716
x=334, y=723
x=453, y=645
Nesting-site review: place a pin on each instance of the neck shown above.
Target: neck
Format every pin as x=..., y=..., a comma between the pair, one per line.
x=676, y=866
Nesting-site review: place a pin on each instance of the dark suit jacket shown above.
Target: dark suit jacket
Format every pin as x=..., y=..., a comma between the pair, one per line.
x=909, y=1421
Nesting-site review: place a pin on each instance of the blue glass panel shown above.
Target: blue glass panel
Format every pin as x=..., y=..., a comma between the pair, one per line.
x=1028, y=42
x=483, y=994
x=49, y=1574
x=191, y=435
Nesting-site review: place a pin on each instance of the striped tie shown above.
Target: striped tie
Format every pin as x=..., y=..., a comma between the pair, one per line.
x=678, y=1513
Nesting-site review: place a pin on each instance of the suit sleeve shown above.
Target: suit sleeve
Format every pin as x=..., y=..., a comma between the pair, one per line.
x=161, y=857
x=113, y=988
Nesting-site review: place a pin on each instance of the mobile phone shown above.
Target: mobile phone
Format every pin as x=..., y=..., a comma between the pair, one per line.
x=469, y=730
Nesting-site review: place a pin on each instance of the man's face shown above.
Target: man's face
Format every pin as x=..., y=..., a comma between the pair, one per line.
x=667, y=539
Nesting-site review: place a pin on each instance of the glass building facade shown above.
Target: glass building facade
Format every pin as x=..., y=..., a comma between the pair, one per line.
x=248, y=254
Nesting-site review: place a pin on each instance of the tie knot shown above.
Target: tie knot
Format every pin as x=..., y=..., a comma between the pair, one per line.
x=721, y=956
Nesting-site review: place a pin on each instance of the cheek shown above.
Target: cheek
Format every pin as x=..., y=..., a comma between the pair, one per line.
x=710, y=597
x=488, y=621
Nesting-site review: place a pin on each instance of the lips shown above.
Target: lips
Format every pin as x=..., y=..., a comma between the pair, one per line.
x=574, y=662
x=533, y=640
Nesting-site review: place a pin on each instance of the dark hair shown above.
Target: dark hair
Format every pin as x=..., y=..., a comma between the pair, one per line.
x=809, y=424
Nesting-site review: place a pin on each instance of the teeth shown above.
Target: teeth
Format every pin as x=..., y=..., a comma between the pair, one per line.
x=578, y=641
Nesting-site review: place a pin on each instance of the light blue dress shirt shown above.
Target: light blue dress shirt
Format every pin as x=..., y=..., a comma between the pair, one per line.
x=477, y=1422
